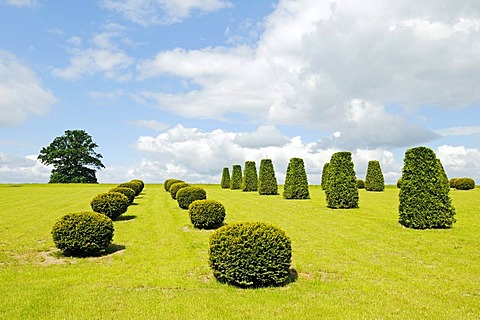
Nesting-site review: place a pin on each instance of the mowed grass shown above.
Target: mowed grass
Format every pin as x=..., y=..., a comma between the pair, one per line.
x=351, y=263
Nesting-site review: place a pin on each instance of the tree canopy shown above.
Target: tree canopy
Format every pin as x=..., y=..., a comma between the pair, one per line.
x=73, y=157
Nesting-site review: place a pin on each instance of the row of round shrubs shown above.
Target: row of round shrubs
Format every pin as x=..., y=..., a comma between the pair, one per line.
x=244, y=254
x=90, y=233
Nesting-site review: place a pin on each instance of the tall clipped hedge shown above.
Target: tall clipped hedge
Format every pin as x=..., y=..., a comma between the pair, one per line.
x=236, y=181
x=225, y=183
x=296, y=182
x=267, y=182
x=342, y=189
x=374, y=180
x=424, y=199
x=325, y=175
x=250, y=177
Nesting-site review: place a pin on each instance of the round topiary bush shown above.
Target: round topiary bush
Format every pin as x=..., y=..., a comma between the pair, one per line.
x=374, y=180
x=250, y=254
x=296, y=181
x=360, y=184
x=111, y=204
x=127, y=192
x=83, y=233
x=132, y=185
x=464, y=184
x=399, y=183
x=267, y=182
x=225, y=183
x=452, y=182
x=140, y=183
x=175, y=187
x=206, y=214
x=187, y=195
x=170, y=182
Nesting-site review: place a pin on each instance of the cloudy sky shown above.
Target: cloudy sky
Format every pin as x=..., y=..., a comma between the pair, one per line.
x=183, y=88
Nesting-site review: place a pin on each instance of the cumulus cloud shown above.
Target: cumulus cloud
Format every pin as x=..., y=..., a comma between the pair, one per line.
x=460, y=131
x=460, y=161
x=335, y=66
x=21, y=92
x=15, y=169
x=164, y=12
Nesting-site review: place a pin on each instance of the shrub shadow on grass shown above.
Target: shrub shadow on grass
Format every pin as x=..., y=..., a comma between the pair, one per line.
x=111, y=249
x=126, y=217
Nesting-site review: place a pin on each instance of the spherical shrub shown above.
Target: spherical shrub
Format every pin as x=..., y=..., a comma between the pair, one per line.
x=112, y=204
x=127, y=192
x=206, y=214
x=360, y=184
x=187, y=195
x=250, y=254
x=169, y=183
x=132, y=185
x=139, y=182
x=399, y=183
x=175, y=187
x=83, y=233
x=464, y=184
x=452, y=182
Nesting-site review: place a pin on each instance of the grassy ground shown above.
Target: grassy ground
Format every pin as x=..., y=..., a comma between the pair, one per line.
x=351, y=263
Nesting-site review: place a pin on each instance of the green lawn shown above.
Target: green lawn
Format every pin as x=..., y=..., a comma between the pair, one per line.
x=351, y=263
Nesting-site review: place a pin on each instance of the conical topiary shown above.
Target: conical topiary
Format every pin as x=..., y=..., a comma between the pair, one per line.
x=250, y=177
x=296, y=182
x=236, y=181
x=424, y=199
x=342, y=189
x=225, y=183
x=374, y=180
x=267, y=183
x=325, y=175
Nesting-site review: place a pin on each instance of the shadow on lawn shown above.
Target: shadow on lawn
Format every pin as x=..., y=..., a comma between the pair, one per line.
x=126, y=218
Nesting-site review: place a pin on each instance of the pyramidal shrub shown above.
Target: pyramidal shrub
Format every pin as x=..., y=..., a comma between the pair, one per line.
x=267, y=182
x=236, y=181
x=374, y=180
x=250, y=178
x=296, y=182
x=342, y=189
x=424, y=199
x=325, y=175
x=225, y=183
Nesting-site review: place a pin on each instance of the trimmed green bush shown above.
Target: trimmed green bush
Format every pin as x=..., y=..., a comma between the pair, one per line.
x=296, y=182
x=127, y=192
x=250, y=178
x=168, y=183
x=187, y=195
x=424, y=199
x=111, y=204
x=464, y=184
x=452, y=182
x=399, y=183
x=325, y=175
x=83, y=233
x=250, y=255
x=342, y=190
x=374, y=180
x=139, y=183
x=236, y=181
x=175, y=187
x=132, y=185
x=360, y=184
x=206, y=214
x=267, y=182
x=225, y=183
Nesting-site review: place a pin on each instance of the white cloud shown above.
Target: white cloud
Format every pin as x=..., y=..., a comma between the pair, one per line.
x=148, y=12
x=460, y=161
x=460, y=131
x=14, y=169
x=263, y=137
x=151, y=124
x=21, y=92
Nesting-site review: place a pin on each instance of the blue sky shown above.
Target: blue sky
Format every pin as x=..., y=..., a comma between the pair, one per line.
x=184, y=88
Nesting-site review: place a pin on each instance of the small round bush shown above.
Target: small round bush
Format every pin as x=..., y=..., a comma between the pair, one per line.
x=399, y=183
x=452, y=182
x=170, y=182
x=139, y=182
x=111, y=204
x=175, y=187
x=132, y=185
x=464, y=184
x=127, y=192
x=206, y=214
x=187, y=195
x=250, y=254
x=360, y=184
x=83, y=233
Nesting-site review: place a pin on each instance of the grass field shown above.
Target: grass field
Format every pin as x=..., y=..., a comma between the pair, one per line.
x=351, y=263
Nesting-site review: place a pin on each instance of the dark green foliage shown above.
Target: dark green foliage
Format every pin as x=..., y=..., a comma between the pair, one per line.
x=83, y=233
x=225, y=183
x=236, y=181
x=325, y=176
x=206, y=214
x=464, y=184
x=267, y=182
x=374, y=180
x=250, y=178
x=399, y=183
x=452, y=182
x=111, y=204
x=72, y=156
x=360, y=184
x=424, y=199
x=140, y=184
x=187, y=195
x=175, y=187
x=250, y=255
x=168, y=183
x=342, y=190
x=296, y=182
x=127, y=192
x=132, y=185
